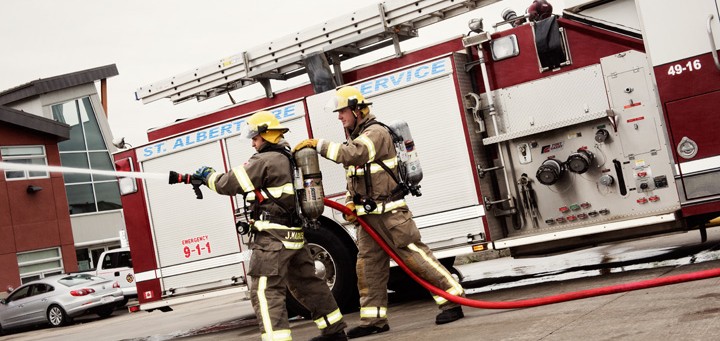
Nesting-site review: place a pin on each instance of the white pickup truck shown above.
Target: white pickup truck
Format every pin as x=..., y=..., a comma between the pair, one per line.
x=116, y=264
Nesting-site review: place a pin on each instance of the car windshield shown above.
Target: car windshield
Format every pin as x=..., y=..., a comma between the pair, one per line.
x=76, y=279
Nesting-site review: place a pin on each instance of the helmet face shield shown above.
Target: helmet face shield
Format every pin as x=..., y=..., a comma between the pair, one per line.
x=332, y=105
x=265, y=124
x=248, y=132
x=347, y=97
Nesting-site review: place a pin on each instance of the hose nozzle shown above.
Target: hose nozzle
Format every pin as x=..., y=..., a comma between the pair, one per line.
x=176, y=178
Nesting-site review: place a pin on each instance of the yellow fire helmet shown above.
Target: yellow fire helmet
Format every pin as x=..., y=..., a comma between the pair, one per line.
x=266, y=125
x=349, y=97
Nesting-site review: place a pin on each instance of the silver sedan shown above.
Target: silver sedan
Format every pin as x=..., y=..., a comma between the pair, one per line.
x=58, y=299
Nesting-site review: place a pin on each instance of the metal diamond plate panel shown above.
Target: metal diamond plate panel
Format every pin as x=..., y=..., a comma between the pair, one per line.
x=567, y=97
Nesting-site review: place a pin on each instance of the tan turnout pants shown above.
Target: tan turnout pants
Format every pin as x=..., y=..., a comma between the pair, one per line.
x=373, y=269
x=274, y=269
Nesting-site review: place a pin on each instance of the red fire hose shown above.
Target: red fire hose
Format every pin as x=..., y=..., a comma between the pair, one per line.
x=533, y=302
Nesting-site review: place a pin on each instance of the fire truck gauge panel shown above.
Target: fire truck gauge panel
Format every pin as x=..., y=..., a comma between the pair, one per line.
x=579, y=162
x=550, y=172
x=601, y=135
x=607, y=180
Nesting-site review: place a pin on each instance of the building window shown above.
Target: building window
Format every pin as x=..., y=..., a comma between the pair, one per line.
x=88, y=258
x=39, y=264
x=86, y=149
x=31, y=155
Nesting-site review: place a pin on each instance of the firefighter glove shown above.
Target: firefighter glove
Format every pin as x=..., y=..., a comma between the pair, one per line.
x=307, y=143
x=350, y=217
x=204, y=173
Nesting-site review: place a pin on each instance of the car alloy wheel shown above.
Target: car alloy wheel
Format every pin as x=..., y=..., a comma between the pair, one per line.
x=56, y=316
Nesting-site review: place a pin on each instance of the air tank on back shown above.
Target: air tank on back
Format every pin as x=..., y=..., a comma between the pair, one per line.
x=408, y=154
x=311, y=200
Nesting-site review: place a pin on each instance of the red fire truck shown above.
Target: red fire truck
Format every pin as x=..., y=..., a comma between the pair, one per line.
x=540, y=134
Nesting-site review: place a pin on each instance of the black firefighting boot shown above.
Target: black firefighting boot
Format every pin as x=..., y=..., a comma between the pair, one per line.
x=339, y=336
x=361, y=331
x=449, y=315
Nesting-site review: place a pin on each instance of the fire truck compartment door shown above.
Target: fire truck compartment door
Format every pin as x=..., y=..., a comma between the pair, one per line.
x=665, y=43
x=693, y=124
x=195, y=240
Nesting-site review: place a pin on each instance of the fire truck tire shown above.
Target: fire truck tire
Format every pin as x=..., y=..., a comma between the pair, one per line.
x=405, y=288
x=335, y=255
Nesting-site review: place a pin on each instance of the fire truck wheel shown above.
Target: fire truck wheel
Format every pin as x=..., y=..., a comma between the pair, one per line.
x=335, y=255
x=406, y=289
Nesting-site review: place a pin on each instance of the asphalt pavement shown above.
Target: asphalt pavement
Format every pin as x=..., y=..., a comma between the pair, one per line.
x=684, y=311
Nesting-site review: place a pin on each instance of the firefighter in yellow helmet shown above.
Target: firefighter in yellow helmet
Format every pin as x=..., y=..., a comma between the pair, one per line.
x=280, y=261
x=372, y=195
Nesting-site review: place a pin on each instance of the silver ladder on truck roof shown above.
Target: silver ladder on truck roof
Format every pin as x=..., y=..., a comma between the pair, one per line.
x=341, y=38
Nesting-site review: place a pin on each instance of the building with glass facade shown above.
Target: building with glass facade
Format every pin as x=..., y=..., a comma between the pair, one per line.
x=35, y=226
x=93, y=201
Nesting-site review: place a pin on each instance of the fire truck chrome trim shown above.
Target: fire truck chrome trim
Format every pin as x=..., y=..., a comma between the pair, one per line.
x=698, y=166
x=450, y=217
x=180, y=269
x=583, y=231
x=191, y=298
x=145, y=276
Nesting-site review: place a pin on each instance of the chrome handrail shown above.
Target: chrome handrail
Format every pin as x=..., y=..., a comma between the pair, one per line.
x=712, y=41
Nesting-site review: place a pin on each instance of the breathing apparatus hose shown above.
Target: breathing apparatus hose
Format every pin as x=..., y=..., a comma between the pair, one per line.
x=533, y=302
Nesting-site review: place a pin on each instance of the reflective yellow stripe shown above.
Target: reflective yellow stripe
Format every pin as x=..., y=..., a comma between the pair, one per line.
x=211, y=181
x=333, y=150
x=250, y=196
x=369, y=144
x=264, y=309
x=455, y=291
x=243, y=179
x=374, y=168
x=332, y=318
x=262, y=225
x=456, y=287
x=373, y=312
x=382, y=208
x=276, y=192
x=278, y=335
x=293, y=245
x=441, y=300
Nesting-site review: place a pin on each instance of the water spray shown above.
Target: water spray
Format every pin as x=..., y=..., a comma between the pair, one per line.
x=60, y=169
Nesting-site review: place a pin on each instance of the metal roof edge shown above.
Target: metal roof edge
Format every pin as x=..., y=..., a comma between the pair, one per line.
x=35, y=122
x=55, y=83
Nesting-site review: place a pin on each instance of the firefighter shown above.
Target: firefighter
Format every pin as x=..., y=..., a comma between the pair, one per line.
x=370, y=144
x=280, y=261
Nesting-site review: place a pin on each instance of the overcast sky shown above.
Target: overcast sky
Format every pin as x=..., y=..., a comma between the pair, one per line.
x=151, y=40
